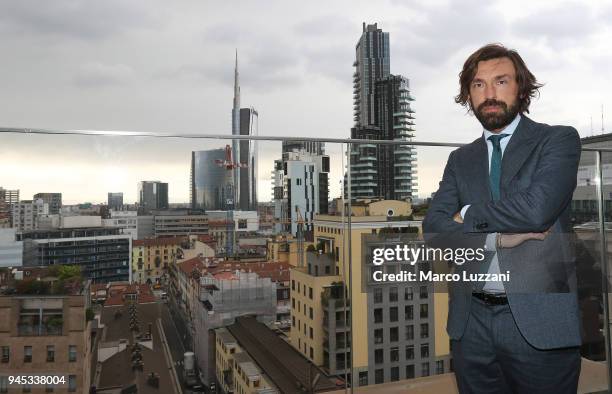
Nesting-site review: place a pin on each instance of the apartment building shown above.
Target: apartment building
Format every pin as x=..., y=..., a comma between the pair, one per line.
x=151, y=258
x=396, y=330
x=44, y=330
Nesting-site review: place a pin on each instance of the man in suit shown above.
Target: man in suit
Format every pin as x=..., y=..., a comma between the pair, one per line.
x=509, y=192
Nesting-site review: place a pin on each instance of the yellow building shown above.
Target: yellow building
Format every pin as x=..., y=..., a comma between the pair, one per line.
x=236, y=371
x=385, y=346
x=151, y=258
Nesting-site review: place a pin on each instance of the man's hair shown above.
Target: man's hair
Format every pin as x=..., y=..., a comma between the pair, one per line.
x=528, y=85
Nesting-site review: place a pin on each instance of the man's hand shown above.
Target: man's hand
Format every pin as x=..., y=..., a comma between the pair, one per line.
x=457, y=218
x=514, y=240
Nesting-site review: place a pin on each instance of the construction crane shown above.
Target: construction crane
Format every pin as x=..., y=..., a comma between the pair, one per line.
x=230, y=165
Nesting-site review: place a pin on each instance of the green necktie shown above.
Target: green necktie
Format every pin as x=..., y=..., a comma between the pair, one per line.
x=494, y=178
x=495, y=169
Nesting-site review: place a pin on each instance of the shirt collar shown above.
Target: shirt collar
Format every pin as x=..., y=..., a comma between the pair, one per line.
x=508, y=130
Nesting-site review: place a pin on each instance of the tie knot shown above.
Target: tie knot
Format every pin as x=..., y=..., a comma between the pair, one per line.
x=496, y=138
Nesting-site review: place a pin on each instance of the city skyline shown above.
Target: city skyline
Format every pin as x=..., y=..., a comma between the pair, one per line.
x=65, y=71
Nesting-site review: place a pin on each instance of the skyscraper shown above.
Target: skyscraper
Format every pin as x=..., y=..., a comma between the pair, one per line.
x=244, y=122
x=381, y=111
x=211, y=185
x=152, y=195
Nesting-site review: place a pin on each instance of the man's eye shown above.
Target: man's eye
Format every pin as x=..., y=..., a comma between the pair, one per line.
x=502, y=82
x=477, y=84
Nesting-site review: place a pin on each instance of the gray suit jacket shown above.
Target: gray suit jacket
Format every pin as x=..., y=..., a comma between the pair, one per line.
x=539, y=169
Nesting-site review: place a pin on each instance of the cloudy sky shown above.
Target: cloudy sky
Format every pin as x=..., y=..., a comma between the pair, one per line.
x=158, y=66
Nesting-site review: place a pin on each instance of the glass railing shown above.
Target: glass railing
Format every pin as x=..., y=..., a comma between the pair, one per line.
x=302, y=195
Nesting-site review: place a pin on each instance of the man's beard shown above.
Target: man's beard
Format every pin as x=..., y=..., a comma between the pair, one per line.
x=496, y=120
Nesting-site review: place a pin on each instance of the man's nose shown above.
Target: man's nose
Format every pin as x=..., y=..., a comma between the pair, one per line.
x=490, y=92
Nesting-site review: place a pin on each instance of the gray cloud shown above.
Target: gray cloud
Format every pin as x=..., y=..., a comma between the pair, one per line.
x=560, y=27
x=95, y=74
x=80, y=20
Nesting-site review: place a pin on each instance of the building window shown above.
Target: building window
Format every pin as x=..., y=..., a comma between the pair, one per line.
x=379, y=376
x=311, y=333
x=423, y=294
x=409, y=352
x=6, y=354
x=394, y=374
x=425, y=350
x=72, y=383
x=378, y=315
x=393, y=314
x=293, y=321
x=393, y=294
x=72, y=353
x=363, y=378
x=310, y=293
x=394, y=354
x=410, y=371
x=408, y=294
x=424, y=311
x=293, y=302
x=394, y=334
x=439, y=367
x=425, y=369
x=27, y=354
x=3, y=384
x=408, y=312
x=310, y=313
x=27, y=388
x=378, y=295
x=410, y=332
x=50, y=353
x=378, y=336
x=424, y=330
x=292, y=284
x=379, y=356
x=311, y=349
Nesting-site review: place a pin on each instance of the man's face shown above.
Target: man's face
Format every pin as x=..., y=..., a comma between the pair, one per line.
x=494, y=93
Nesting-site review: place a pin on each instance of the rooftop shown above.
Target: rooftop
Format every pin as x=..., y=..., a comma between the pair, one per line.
x=160, y=241
x=42, y=281
x=282, y=364
x=277, y=272
x=117, y=371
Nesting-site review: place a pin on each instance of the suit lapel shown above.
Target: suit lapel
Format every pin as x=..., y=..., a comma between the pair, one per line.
x=479, y=172
x=519, y=148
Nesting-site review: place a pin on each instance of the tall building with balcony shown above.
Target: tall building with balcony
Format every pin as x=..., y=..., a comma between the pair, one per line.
x=381, y=112
x=387, y=331
x=54, y=200
x=300, y=183
x=44, y=330
x=152, y=195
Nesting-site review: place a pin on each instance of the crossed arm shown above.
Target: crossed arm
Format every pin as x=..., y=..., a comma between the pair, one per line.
x=529, y=211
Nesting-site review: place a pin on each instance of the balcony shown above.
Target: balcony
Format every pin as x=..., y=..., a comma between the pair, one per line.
x=591, y=217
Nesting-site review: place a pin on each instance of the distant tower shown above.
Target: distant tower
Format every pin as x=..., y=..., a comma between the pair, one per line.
x=236, y=130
